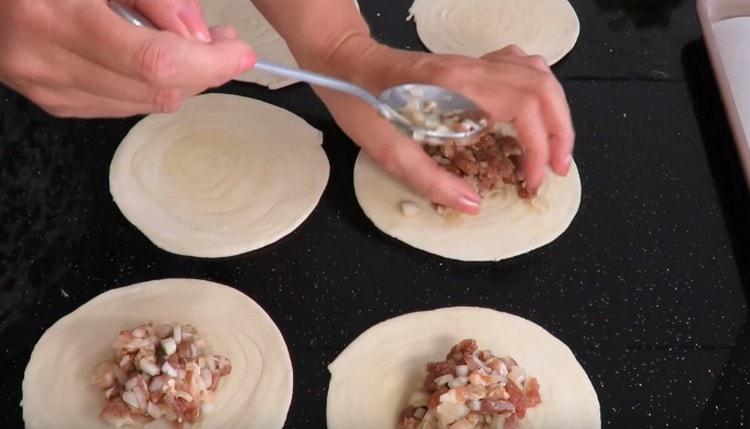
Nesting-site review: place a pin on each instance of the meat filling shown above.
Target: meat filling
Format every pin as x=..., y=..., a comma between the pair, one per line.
x=490, y=162
x=159, y=371
x=471, y=389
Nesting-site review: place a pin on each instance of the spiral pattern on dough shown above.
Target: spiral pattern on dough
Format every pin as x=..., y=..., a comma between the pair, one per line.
x=476, y=27
x=223, y=176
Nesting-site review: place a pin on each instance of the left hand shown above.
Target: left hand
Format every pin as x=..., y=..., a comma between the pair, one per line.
x=510, y=85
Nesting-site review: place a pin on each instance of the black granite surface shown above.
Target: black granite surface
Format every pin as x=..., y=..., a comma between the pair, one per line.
x=648, y=286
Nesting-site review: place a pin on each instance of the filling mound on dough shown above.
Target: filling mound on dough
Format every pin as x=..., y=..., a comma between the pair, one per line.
x=159, y=372
x=493, y=160
x=471, y=389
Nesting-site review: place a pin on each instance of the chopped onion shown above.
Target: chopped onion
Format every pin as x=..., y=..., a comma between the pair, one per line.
x=156, y=384
x=474, y=405
x=444, y=379
x=181, y=374
x=458, y=382
x=517, y=374
x=167, y=369
x=168, y=346
x=139, y=332
x=130, y=399
x=177, y=333
x=462, y=370
x=130, y=384
x=420, y=412
x=207, y=377
x=148, y=367
x=153, y=411
x=141, y=397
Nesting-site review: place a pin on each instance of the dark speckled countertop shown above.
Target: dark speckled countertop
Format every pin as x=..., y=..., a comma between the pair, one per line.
x=648, y=286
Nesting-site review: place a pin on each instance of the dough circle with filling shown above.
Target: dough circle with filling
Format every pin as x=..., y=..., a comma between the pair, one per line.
x=58, y=392
x=506, y=226
x=372, y=379
x=253, y=28
x=224, y=175
x=548, y=28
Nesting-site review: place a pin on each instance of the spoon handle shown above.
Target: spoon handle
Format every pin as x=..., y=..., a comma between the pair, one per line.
x=135, y=18
x=318, y=79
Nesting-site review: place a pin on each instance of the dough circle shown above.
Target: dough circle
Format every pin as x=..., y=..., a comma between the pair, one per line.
x=224, y=175
x=548, y=28
x=57, y=389
x=507, y=225
x=253, y=28
x=372, y=379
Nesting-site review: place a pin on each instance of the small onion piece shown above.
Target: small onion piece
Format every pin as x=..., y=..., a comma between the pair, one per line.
x=148, y=367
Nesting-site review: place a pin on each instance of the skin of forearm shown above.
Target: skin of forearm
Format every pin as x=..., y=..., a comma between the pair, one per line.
x=323, y=35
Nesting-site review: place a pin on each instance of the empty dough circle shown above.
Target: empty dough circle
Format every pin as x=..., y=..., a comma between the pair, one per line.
x=222, y=176
x=506, y=226
x=477, y=27
x=58, y=392
x=372, y=379
x=253, y=28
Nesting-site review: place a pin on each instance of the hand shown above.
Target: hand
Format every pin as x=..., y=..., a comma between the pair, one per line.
x=510, y=85
x=76, y=58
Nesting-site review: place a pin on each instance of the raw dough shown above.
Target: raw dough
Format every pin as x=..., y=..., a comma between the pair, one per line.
x=57, y=389
x=507, y=225
x=223, y=176
x=372, y=379
x=476, y=27
x=253, y=28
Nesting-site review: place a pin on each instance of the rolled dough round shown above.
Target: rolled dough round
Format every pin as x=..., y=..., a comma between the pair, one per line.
x=507, y=225
x=58, y=392
x=223, y=176
x=253, y=28
x=477, y=27
x=372, y=379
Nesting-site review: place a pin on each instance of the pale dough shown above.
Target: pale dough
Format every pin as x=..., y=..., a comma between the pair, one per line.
x=57, y=389
x=253, y=28
x=223, y=176
x=476, y=27
x=506, y=226
x=372, y=379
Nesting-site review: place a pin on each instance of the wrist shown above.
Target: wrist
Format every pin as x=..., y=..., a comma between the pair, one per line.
x=357, y=58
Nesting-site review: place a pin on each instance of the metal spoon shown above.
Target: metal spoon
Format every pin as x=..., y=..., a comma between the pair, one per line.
x=391, y=102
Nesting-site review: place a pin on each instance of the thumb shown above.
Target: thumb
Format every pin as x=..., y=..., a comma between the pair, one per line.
x=166, y=59
x=409, y=162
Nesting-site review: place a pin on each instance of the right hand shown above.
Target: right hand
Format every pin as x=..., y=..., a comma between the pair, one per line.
x=77, y=58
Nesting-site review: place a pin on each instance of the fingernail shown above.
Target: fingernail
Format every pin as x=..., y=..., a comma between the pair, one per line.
x=469, y=203
x=566, y=164
x=248, y=61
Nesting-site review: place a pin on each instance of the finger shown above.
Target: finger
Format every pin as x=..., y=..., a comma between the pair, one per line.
x=407, y=161
x=516, y=55
x=560, y=129
x=223, y=32
x=533, y=136
x=75, y=103
x=89, y=77
x=183, y=17
x=161, y=59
